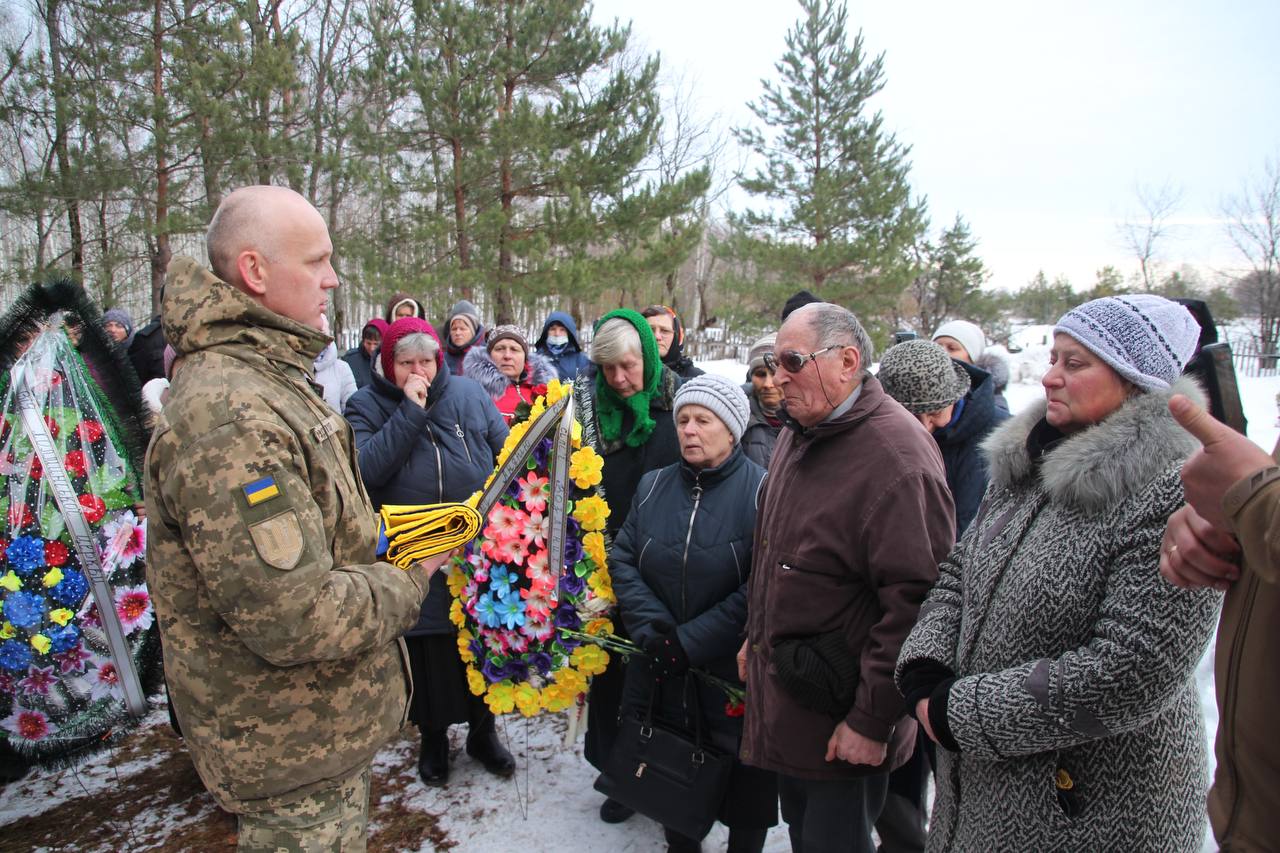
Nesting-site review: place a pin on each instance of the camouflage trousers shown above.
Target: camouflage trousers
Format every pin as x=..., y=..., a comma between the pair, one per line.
x=332, y=820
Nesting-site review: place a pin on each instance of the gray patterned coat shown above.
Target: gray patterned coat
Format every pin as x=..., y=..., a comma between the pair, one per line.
x=1072, y=653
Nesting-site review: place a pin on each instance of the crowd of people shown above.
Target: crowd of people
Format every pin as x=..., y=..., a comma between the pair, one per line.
x=907, y=580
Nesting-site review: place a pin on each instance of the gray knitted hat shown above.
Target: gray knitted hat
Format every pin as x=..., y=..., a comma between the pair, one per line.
x=1147, y=339
x=722, y=396
x=755, y=357
x=922, y=377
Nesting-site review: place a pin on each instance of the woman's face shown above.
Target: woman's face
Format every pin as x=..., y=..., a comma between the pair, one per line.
x=769, y=395
x=116, y=331
x=460, y=331
x=954, y=348
x=509, y=357
x=626, y=377
x=404, y=309
x=1081, y=388
x=411, y=365
x=705, y=441
x=936, y=420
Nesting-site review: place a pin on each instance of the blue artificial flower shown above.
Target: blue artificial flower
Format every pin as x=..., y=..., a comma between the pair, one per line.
x=26, y=554
x=24, y=609
x=63, y=638
x=567, y=617
x=15, y=656
x=500, y=581
x=486, y=612
x=542, y=453
x=72, y=589
x=571, y=584
x=510, y=611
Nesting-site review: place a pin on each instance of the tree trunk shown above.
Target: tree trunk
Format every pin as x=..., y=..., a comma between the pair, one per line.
x=162, y=253
x=61, y=131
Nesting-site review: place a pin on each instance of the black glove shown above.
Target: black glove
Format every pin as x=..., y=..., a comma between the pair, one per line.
x=669, y=657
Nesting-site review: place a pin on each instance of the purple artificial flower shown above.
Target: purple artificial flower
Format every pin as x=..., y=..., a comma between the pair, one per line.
x=493, y=672
x=517, y=671
x=73, y=659
x=567, y=617
x=572, y=550
x=39, y=679
x=571, y=584
x=541, y=661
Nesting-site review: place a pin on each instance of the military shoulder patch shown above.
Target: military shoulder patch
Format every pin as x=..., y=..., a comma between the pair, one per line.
x=278, y=540
x=261, y=490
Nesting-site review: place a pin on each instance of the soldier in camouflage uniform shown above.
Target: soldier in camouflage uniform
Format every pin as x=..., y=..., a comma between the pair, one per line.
x=281, y=629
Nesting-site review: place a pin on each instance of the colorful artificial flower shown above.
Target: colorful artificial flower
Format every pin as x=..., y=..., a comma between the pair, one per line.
x=27, y=724
x=89, y=431
x=26, y=553
x=104, y=681
x=571, y=680
x=599, y=627
x=72, y=589
x=456, y=616
x=20, y=516
x=24, y=609
x=94, y=508
x=586, y=468
x=534, y=492
x=38, y=681
x=55, y=553
x=591, y=512
x=41, y=643
x=125, y=540
x=63, y=638
x=464, y=641
x=133, y=605
x=500, y=697
x=528, y=699
x=11, y=582
x=475, y=681
x=53, y=577
x=593, y=545
x=510, y=611
x=76, y=463
x=602, y=585
x=7, y=631
x=590, y=659
x=73, y=659
x=15, y=655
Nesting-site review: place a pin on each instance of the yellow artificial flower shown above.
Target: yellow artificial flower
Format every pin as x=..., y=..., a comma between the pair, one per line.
x=455, y=613
x=602, y=585
x=501, y=698
x=11, y=582
x=599, y=627
x=593, y=544
x=557, y=697
x=475, y=681
x=590, y=659
x=556, y=389
x=457, y=578
x=62, y=615
x=536, y=410
x=7, y=631
x=575, y=433
x=591, y=512
x=585, y=468
x=464, y=646
x=527, y=699
x=53, y=577
x=571, y=681
x=41, y=643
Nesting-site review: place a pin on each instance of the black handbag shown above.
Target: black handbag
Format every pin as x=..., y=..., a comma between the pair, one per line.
x=661, y=772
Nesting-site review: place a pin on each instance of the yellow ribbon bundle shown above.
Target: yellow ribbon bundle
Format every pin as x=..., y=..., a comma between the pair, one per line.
x=417, y=532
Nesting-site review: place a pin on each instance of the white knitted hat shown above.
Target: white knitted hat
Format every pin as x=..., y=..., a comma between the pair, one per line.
x=722, y=396
x=1147, y=339
x=968, y=334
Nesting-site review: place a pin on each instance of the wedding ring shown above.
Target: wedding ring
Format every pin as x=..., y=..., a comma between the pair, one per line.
x=1172, y=550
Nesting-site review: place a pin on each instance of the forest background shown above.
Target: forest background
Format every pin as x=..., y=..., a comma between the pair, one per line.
x=527, y=157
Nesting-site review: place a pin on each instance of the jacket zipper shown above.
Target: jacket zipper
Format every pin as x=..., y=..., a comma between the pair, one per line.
x=684, y=562
x=439, y=463
x=462, y=436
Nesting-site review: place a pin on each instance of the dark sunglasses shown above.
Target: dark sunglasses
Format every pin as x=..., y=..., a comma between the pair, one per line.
x=790, y=360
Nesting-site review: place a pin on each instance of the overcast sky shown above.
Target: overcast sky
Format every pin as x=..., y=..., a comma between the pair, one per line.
x=1033, y=120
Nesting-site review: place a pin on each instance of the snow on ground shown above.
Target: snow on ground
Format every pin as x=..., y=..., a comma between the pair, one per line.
x=144, y=795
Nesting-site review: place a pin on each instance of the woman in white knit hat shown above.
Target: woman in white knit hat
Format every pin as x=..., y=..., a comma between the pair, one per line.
x=680, y=567
x=1050, y=663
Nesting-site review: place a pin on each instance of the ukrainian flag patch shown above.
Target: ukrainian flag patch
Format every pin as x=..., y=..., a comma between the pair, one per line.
x=261, y=490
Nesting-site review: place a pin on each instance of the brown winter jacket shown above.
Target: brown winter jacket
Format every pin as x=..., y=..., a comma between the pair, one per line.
x=1244, y=803
x=854, y=519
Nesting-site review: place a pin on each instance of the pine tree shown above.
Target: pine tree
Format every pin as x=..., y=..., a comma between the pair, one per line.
x=840, y=219
x=948, y=282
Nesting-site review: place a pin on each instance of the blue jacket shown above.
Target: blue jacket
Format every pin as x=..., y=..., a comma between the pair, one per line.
x=411, y=455
x=682, y=560
x=961, y=446
x=571, y=359
x=361, y=365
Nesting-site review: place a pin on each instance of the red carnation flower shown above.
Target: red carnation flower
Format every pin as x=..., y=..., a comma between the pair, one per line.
x=53, y=426
x=90, y=431
x=4, y=547
x=77, y=463
x=36, y=470
x=94, y=508
x=734, y=709
x=55, y=553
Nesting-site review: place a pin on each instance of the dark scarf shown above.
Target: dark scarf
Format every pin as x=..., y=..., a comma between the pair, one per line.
x=1042, y=439
x=610, y=406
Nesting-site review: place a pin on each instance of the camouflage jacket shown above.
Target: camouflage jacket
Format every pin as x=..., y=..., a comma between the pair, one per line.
x=280, y=628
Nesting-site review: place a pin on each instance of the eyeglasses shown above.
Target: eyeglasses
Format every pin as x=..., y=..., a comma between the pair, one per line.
x=792, y=361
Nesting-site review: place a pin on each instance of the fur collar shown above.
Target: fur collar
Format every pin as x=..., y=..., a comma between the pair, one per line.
x=1098, y=467
x=478, y=365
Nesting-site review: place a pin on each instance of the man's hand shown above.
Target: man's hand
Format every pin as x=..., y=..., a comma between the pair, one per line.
x=742, y=662
x=1226, y=458
x=848, y=745
x=415, y=388
x=922, y=717
x=1196, y=554
x=432, y=564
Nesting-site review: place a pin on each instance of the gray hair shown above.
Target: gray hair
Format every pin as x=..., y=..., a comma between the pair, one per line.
x=415, y=344
x=614, y=341
x=835, y=326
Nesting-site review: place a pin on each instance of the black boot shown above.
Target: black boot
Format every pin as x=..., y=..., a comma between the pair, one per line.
x=433, y=758
x=483, y=745
x=612, y=811
x=746, y=840
x=677, y=843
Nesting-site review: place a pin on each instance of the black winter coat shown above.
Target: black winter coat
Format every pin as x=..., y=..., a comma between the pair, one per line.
x=411, y=455
x=760, y=436
x=961, y=446
x=571, y=360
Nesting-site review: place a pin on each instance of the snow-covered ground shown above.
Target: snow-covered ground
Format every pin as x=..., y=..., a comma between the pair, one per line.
x=548, y=805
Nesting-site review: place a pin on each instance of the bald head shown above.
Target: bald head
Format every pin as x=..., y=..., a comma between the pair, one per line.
x=273, y=245
x=250, y=220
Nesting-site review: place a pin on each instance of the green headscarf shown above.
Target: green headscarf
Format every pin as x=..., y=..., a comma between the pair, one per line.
x=610, y=405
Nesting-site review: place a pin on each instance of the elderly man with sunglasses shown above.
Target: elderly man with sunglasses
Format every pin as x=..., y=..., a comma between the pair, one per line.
x=853, y=519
